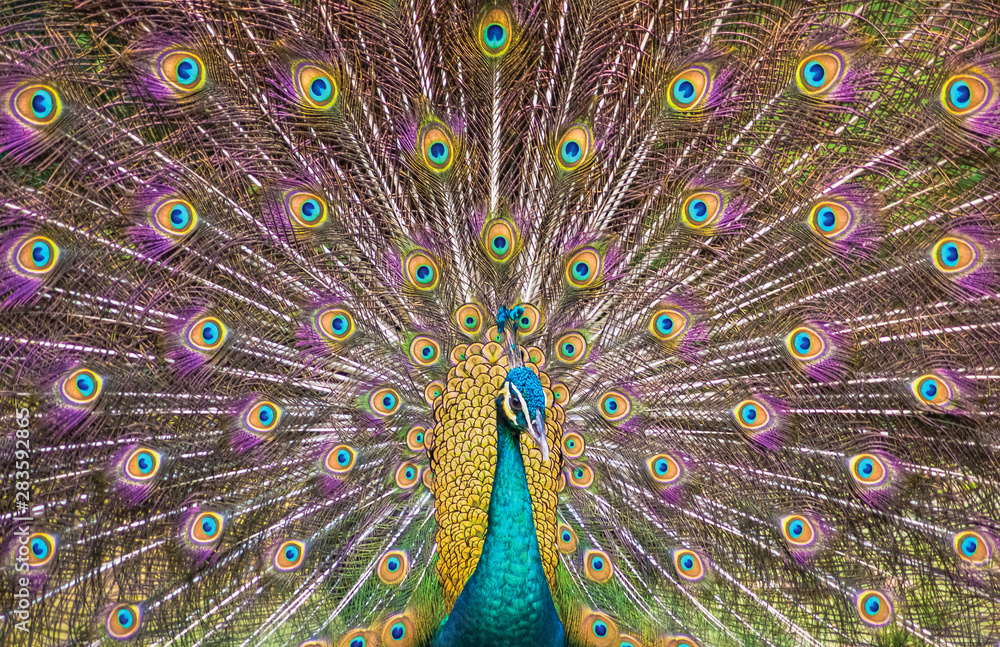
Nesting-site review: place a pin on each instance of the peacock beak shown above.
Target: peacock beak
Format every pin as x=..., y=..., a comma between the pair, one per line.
x=537, y=432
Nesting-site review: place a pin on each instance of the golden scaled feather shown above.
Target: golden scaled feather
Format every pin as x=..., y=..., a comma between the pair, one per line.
x=267, y=267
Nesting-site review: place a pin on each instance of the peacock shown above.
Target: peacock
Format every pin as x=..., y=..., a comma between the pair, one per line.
x=461, y=323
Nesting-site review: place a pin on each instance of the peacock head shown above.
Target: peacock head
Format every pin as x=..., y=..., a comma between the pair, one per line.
x=523, y=402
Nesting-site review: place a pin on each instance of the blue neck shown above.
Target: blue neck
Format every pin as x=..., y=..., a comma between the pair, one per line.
x=507, y=601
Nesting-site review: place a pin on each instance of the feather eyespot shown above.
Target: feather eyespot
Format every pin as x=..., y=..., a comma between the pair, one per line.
x=831, y=220
x=665, y=469
x=41, y=549
x=614, y=406
x=818, y=73
x=317, y=642
x=597, y=566
x=289, y=555
x=469, y=319
x=583, y=268
x=81, y=387
x=142, y=465
x=687, y=90
x=574, y=147
x=874, y=608
x=206, y=528
x=436, y=147
x=565, y=539
x=183, y=71
x=669, y=323
x=262, y=417
x=689, y=565
x=393, y=566
x=305, y=209
x=560, y=393
x=581, y=476
x=571, y=347
x=36, y=256
x=966, y=93
x=358, y=638
x=806, y=344
x=752, y=415
x=175, y=217
x=973, y=547
x=799, y=531
x=424, y=351
x=340, y=460
x=36, y=105
x=701, y=209
x=681, y=641
x=421, y=271
x=573, y=444
x=934, y=391
x=953, y=255
x=530, y=320
x=407, y=475
x=123, y=621
x=868, y=470
x=207, y=334
x=599, y=629
x=398, y=631
x=495, y=32
x=384, y=401
x=315, y=86
x=335, y=324
x=629, y=641
x=500, y=240
x=433, y=391
x=415, y=439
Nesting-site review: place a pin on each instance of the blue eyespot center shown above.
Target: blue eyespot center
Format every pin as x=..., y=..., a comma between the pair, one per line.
x=872, y=605
x=358, y=642
x=320, y=89
x=208, y=526
x=949, y=254
x=684, y=91
x=41, y=104
x=339, y=323
x=40, y=253
x=815, y=74
x=410, y=474
x=291, y=553
x=420, y=438
x=179, y=216
x=698, y=210
x=664, y=324
x=145, y=462
x=969, y=546
x=826, y=219
x=600, y=629
x=125, y=618
x=343, y=457
x=662, y=467
x=597, y=564
x=470, y=322
x=388, y=400
x=310, y=209
x=494, y=35
x=398, y=631
x=500, y=244
x=803, y=342
x=187, y=71
x=209, y=333
x=571, y=152
x=425, y=273
x=866, y=467
x=611, y=405
x=439, y=153
x=687, y=563
x=566, y=536
x=427, y=352
x=578, y=473
x=525, y=322
x=39, y=548
x=795, y=529
x=960, y=94
x=749, y=413
x=85, y=385
x=393, y=564
x=266, y=414
x=929, y=388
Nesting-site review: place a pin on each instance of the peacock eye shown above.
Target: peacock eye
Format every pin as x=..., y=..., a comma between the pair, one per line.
x=421, y=271
x=868, y=470
x=687, y=90
x=964, y=94
x=934, y=391
x=393, y=566
x=665, y=469
x=335, y=324
x=806, y=344
x=954, y=255
x=36, y=105
x=81, y=387
x=973, y=547
x=574, y=147
x=689, y=565
x=289, y=555
x=798, y=531
x=398, y=630
x=495, y=32
x=598, y=566
x=831, y=220
x=42, y=548
x=874, y=608
x=36, y=256
x=316, y=86
x=819, y=72
x=262, y=417
x=701, y=209
x=384, y=401
x=141, y=465
x=305, y=209
x=123, y=621
x=424, y=351
x=175, y=217
x=436, y=147
x=183, y=71
x=207, y=334
x=584, y=268
x=206, y=528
